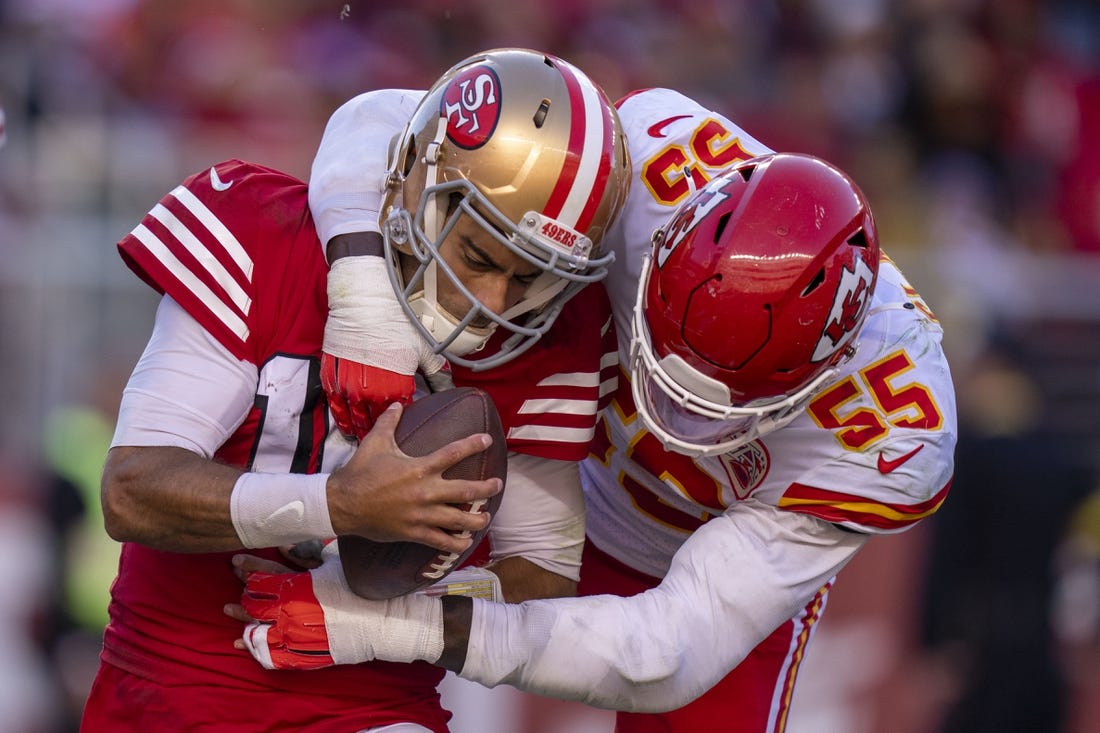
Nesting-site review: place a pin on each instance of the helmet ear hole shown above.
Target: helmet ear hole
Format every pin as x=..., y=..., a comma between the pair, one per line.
x=721, y=226
x=410, y=158
x=815, y=283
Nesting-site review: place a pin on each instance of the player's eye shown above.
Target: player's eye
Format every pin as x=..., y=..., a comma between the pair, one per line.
x=477, y=263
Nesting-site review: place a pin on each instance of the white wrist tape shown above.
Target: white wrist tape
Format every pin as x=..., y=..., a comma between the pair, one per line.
x=403, y=629
x=273, y=509
x=366, y=322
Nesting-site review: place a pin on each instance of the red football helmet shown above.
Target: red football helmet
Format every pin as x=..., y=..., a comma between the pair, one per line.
x=755, y=292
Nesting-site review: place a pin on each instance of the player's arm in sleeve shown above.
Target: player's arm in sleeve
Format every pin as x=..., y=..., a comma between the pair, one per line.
x=197, y=381
x=538, y=533
x=371, y=351
x=184, y=398
x=537, y=536
x=731, y=584
x=161, y=486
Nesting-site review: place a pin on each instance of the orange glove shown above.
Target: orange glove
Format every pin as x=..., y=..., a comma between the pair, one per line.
x=313, y=619
x=371, y=348
x=290, y=633
x=358, y=393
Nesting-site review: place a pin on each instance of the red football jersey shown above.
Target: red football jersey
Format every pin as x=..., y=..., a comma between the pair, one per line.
x=235, y=246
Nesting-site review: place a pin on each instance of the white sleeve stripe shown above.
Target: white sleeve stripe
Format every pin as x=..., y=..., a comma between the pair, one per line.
x=560, y=406
x=607, y=386
x=611, y=358
x=188, y=279
x=606, y=326
x=214, y=225
x=551, y=434
x=572, y=379
x=205, y=257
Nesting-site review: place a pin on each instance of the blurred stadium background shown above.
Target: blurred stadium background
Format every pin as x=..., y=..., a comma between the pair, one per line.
x=972, y=125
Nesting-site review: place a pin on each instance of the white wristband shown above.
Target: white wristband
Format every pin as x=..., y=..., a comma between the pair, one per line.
x=273, y=509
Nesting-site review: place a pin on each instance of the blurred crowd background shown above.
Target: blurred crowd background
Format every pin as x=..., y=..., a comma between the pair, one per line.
x=972, y=126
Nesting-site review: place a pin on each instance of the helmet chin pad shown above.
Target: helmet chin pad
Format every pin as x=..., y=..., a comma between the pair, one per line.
x=445, y=329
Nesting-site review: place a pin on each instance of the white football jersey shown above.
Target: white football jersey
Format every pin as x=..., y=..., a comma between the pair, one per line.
x=873, y=452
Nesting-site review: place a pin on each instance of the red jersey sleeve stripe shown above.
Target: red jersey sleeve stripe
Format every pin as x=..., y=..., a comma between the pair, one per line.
x=840, y=508
x=215, y=226
x=587, y=168
x=205, y=258
x=565, y=411
x=571, y=379
x=609, y=377
x=609, y=364
x=191, y=283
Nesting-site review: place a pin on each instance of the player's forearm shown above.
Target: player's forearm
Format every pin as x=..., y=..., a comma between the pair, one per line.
x=520, y=580
x=174, y=500
x=603, y=651
x=658, y=650
x=168, y=498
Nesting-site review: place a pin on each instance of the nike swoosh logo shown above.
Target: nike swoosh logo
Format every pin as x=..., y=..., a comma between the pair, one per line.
x=217, y=183
x=294, y=511
x=658, y=129
x=885, y=466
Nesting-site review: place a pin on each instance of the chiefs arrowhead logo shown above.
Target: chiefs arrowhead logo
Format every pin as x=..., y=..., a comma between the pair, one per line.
x=849, y=304
x=746, y=468
x=688, y=217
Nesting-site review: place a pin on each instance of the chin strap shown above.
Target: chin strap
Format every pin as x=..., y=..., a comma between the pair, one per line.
x=433, y=213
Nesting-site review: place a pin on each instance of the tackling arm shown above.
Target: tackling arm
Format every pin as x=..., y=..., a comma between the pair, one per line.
x=732, y=583
x=371, y=350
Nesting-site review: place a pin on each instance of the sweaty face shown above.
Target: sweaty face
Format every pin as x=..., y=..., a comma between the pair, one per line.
x=493, y=274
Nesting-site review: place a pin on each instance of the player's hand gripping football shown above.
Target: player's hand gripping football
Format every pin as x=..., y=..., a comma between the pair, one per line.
x=312, y=620
x=385, y=495
x=371, y=349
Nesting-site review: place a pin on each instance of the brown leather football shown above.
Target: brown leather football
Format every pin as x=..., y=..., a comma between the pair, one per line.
x=381, y=570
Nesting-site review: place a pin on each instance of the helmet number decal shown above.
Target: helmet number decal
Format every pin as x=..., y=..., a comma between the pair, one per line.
x=471, y=105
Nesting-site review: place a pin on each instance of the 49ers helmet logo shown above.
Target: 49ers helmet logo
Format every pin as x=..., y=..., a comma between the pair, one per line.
x=471, y=104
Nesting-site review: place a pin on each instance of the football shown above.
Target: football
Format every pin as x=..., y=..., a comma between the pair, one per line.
x=381, y=570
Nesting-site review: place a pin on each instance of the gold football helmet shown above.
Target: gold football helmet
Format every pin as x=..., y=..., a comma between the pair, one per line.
x=532, y=150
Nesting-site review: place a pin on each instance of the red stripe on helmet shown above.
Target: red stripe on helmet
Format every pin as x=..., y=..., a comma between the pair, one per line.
x=577, y=129
x=603, y=175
